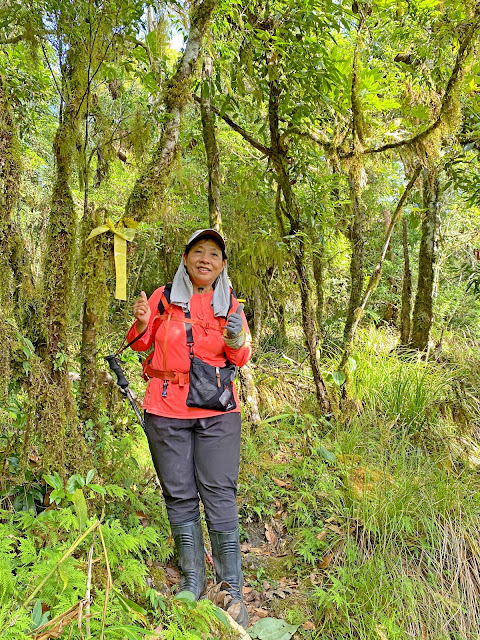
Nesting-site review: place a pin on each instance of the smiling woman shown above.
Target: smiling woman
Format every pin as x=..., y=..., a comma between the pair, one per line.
x=204, y=262
x=192, y=416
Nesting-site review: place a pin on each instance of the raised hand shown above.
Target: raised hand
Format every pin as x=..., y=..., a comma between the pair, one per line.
x=234, y=334
x=235, y=322
x=141, y=311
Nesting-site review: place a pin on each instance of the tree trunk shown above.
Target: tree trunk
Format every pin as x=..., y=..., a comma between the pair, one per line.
x=257, y=318
x=150, y=185
x=423, y=309
x=406, y=313
x=319, y=283
x=95, y=308
x=211, y=148
x=9, y=192
x=249, y=394
x=377, y=272
x=297, y=247
x=357, y=240
x=57, y=410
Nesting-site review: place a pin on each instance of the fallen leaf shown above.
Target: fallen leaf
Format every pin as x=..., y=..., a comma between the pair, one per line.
x=326, y=561
x=308, y=626
x=322, y=534
x=219, y=595
x=335, y=529
x=261, y=613
x=282, y=483
x=270, y=535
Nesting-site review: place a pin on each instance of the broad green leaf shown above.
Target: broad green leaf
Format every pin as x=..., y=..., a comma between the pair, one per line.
x=90, y=475
x=54, y=480
x=337, y=377
x=78, y=500
x=130, y=606
x=326, y=454
x=75, y=482
x=185, y=596
x=220, y=615
x=352, y=364
x=97, y=488
x=37, y=614
x=57, y=495
x=272, y=629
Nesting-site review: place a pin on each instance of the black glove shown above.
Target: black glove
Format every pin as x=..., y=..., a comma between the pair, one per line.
x=235, y=335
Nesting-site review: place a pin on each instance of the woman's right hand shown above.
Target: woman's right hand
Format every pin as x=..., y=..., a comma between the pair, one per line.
x=142, y=312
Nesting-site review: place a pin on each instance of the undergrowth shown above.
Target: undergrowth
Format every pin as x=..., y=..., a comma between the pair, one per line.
x=376, y=512
x=380, y=507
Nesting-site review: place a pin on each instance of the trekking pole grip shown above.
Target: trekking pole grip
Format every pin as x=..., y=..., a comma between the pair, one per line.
x=115, y=367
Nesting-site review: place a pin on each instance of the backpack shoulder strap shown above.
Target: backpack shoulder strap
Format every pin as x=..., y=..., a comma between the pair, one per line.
x=165, y=298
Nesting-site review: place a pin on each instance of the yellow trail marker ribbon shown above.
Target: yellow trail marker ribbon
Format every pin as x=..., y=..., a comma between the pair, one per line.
x=123, y=232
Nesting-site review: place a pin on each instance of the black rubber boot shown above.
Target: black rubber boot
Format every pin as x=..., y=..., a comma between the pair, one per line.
x=228, y=567
x=189, y=544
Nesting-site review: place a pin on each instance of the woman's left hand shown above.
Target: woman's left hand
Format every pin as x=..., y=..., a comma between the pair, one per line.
x=235, y=322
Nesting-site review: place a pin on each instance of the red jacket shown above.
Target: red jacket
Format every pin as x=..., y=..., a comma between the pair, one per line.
x=209, y=346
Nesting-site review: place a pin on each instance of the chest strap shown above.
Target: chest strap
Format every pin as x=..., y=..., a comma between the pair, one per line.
x=176, y=377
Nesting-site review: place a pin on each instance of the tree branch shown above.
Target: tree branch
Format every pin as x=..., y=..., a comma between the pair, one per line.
x=377, y=272
x=463, y=52
x=236, y=127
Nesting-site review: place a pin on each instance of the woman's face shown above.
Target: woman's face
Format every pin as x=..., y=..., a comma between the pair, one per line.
x=204, y=263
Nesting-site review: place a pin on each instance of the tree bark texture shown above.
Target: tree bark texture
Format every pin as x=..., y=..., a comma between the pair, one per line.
x=57, y=411
x=211, y=148
x=153, y=180
x=423, y=309
x=9, y=192
x=406, y=312
x=95, y=307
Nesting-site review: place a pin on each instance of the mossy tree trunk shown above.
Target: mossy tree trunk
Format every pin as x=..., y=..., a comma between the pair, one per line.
x=423, y=309
x=57, y=410
x=211, y=148
x=95, y=308
x=9, y=192
x=318, y=274
x=151, y=183
x=357, y=229
x=406, y=311
x=356, y=235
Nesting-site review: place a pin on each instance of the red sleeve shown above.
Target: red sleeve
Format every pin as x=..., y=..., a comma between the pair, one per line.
x=146, y=341
x=240, y=356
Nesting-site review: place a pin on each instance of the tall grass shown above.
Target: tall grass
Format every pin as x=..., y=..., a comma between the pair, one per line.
x=390, y=529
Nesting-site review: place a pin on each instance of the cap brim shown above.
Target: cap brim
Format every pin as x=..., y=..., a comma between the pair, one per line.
x=207, y=233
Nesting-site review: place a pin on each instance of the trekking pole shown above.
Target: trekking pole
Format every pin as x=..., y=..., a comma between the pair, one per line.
x=122, y=382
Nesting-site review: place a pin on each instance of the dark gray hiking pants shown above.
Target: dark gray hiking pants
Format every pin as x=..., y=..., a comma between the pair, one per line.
x=193, y=457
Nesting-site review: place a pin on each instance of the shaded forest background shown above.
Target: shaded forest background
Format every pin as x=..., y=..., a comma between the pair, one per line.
x=336, y=145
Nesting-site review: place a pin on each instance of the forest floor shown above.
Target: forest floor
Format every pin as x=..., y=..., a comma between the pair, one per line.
x=269, y=584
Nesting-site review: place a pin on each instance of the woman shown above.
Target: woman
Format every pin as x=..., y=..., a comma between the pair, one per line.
x=196, y=449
